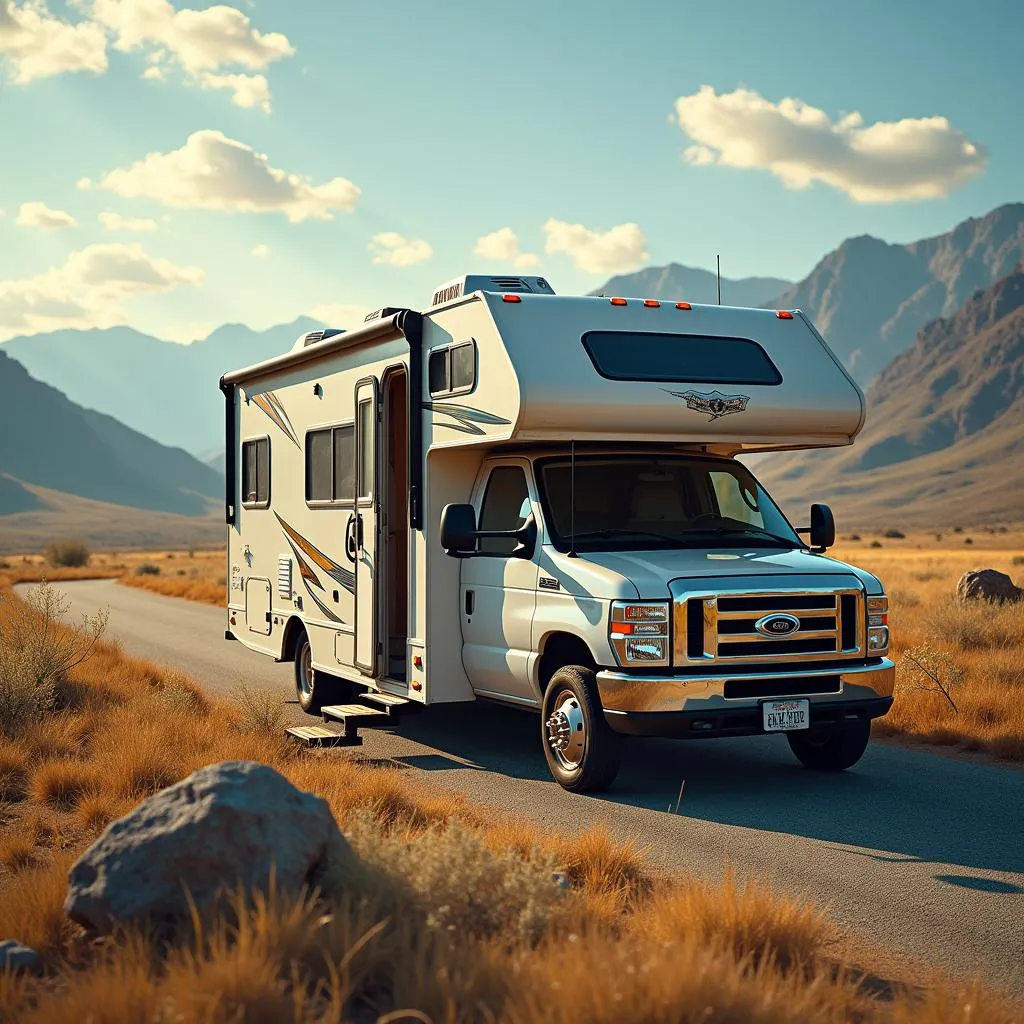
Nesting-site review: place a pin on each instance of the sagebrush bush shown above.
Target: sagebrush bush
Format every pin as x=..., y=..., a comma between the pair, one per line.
x=257, y=709
x=147, y=569
x=38, y=648
x=68, y=554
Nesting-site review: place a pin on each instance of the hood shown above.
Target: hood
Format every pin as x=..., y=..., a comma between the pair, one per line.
x=651, y=571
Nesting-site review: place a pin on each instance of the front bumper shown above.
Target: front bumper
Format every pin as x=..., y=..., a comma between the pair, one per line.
x=698, y=706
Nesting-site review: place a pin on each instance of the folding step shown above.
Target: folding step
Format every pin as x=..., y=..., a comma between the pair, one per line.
x=392, y=705
x=353, y=716
x=321, y=736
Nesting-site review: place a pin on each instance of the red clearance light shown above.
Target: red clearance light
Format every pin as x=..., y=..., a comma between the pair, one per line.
x=784, y=314
x=511, y=298
x=651, y=303
x=683, y=305
x=618, y=302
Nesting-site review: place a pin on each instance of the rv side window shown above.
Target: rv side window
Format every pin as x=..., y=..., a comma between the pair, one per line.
x=256, y=472
x=452, y=370
x=679, y=358
x=506, y=506
x=330, y=464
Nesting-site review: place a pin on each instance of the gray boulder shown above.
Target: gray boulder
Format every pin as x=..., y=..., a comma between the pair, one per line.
x=987, y=585
x=16, y=957
x=226, y=825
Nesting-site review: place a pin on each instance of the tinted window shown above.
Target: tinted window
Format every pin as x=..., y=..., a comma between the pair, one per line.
x=463, y=367
x=679, y=358
x=506, y=506
x=256, y=472
x=365, y=449
x=318, y=465
x=452, y=369
x=344, y=463
x=438, y=372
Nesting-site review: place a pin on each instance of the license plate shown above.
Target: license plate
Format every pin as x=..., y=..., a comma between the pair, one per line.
x=786, y=715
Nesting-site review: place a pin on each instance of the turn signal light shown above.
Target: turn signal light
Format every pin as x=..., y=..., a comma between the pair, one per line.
x=683, y=305
x=784, y=314
x=511, y=298
x=618, y=302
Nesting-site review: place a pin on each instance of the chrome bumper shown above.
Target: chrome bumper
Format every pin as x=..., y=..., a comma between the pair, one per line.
x=622, y=692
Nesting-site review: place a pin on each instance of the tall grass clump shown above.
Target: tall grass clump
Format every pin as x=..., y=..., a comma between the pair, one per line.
x=67, y=554
x=38, y=648
x=976, y=625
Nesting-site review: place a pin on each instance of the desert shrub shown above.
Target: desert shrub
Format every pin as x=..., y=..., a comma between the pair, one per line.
x=854, y=536
x=71, y=554
x=876, y=544
x=4, y=564
x=968, y=540
x=976, y=625
x=894, y=534
x=62, y=784
x=1018, y=560
x=257, y=709
x=147, y=569
x=932, y=670
x=37, y=650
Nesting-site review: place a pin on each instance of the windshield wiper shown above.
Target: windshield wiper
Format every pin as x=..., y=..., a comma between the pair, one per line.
x=747, y=531
x=621, y=532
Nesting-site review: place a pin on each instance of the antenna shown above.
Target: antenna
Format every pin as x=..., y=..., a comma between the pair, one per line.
x=572, y=499
x=718, y=265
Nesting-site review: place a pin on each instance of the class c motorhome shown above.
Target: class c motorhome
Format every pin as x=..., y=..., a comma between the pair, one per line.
x=535, y=499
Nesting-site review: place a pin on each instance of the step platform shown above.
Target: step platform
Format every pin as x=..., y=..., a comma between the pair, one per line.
x=371, y=709
x=322, y=736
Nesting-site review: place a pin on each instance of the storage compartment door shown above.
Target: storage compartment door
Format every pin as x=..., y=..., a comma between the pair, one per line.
x=257, y=605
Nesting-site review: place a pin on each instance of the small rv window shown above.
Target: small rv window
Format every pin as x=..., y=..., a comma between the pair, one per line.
x=256, y=472
x=452, y=370
x=330, y=464
x=366, y=449
x=506, y=506
x=679, y=358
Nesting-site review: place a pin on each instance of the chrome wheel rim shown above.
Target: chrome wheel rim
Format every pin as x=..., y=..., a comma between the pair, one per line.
x=306, y=670
x=566, y=732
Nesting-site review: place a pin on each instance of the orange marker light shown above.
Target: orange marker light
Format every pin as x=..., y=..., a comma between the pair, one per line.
x=651, y=303
x=417, y=685
x=683, y=305
x=784, y=314
x=417, y=661
x=511, y=298
x=618, y=302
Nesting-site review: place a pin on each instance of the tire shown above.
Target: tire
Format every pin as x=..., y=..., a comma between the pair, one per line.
x=582, y=751
x=831, y=749
x=314, y=688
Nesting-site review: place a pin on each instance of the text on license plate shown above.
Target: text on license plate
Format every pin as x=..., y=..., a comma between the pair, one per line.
x=786, y=715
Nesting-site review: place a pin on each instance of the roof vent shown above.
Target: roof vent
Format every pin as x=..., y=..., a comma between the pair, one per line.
x=379, y=314
x=312, y=337
x=469, y=283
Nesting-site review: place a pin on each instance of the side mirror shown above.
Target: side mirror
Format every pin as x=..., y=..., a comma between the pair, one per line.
x=823, y=527
x=458, y=528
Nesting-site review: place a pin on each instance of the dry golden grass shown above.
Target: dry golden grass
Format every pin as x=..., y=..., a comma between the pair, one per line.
x=456, y=919
x=978, y=646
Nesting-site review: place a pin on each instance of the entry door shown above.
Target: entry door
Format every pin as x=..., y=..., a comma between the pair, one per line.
x=367, y=513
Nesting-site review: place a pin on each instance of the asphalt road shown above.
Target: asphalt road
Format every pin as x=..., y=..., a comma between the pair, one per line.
x=919, y=853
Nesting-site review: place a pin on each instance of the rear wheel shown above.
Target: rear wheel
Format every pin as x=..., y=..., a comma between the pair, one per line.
x=831, y=749
x=313, y=688
x=582, y=751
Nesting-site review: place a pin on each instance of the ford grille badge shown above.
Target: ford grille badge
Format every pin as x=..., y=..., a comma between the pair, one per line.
x=777, y=625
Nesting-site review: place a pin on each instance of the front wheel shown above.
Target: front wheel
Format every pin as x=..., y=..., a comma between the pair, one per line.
x=582, y=751
x=831, y=749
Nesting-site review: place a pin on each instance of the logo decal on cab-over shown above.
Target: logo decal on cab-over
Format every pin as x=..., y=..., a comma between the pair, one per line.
x=714, y=403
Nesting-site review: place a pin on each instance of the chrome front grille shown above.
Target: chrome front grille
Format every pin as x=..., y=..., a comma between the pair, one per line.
x=720, y=627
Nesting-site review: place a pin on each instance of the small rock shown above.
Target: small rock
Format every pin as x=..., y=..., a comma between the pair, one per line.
x=561, y=879
x=226, y=825
x=16, y=957
x=987, y=585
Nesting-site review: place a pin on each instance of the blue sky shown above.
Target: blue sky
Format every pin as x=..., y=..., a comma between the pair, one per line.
x=428, y=127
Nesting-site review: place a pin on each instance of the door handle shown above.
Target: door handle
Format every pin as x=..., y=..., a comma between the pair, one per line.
x=470, y=601
x=350, y=538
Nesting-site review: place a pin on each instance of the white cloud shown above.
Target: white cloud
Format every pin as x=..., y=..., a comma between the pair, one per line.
x=88, y=289
x=329, y=315
x=503, y=245
x=214, y=172
x=247, y=90
x=883, y=162
x=614, y=251
x=39, y=215
x=37, y=44
x=115, y=222
x=261, y=252
x=398, y=251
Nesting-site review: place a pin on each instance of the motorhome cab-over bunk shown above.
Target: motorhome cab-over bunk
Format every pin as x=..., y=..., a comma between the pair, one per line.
x=535, y=499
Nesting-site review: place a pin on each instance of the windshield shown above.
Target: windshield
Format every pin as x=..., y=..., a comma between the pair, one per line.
x=644, y=502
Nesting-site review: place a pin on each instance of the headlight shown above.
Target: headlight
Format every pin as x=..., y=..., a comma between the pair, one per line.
x=878, y=625
x=639, y=632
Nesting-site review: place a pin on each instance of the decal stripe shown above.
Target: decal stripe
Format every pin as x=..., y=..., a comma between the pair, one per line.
x=465, y=416
x=271, y=405
x=337, y=573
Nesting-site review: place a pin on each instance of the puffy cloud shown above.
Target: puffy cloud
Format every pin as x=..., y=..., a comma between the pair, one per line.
x=37, y=44
x=883, y=162
x=398, y=251
x=247, y=90
x=115, y=222
x=614, y=251
x=330, y=315
x=261, y=252
x=39, y=215
x=503, y=245
x=214, y=172
x=88, y=289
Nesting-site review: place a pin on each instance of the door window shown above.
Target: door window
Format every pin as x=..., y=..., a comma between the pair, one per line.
x=506, y=506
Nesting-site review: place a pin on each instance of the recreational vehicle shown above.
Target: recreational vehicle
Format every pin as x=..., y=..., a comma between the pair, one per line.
x=535, y=499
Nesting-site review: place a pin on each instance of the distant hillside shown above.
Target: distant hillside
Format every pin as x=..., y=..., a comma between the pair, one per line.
x=164, y=390
x=869, y=298
x=48, y=441
x=693, y=285
x=944, y=438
